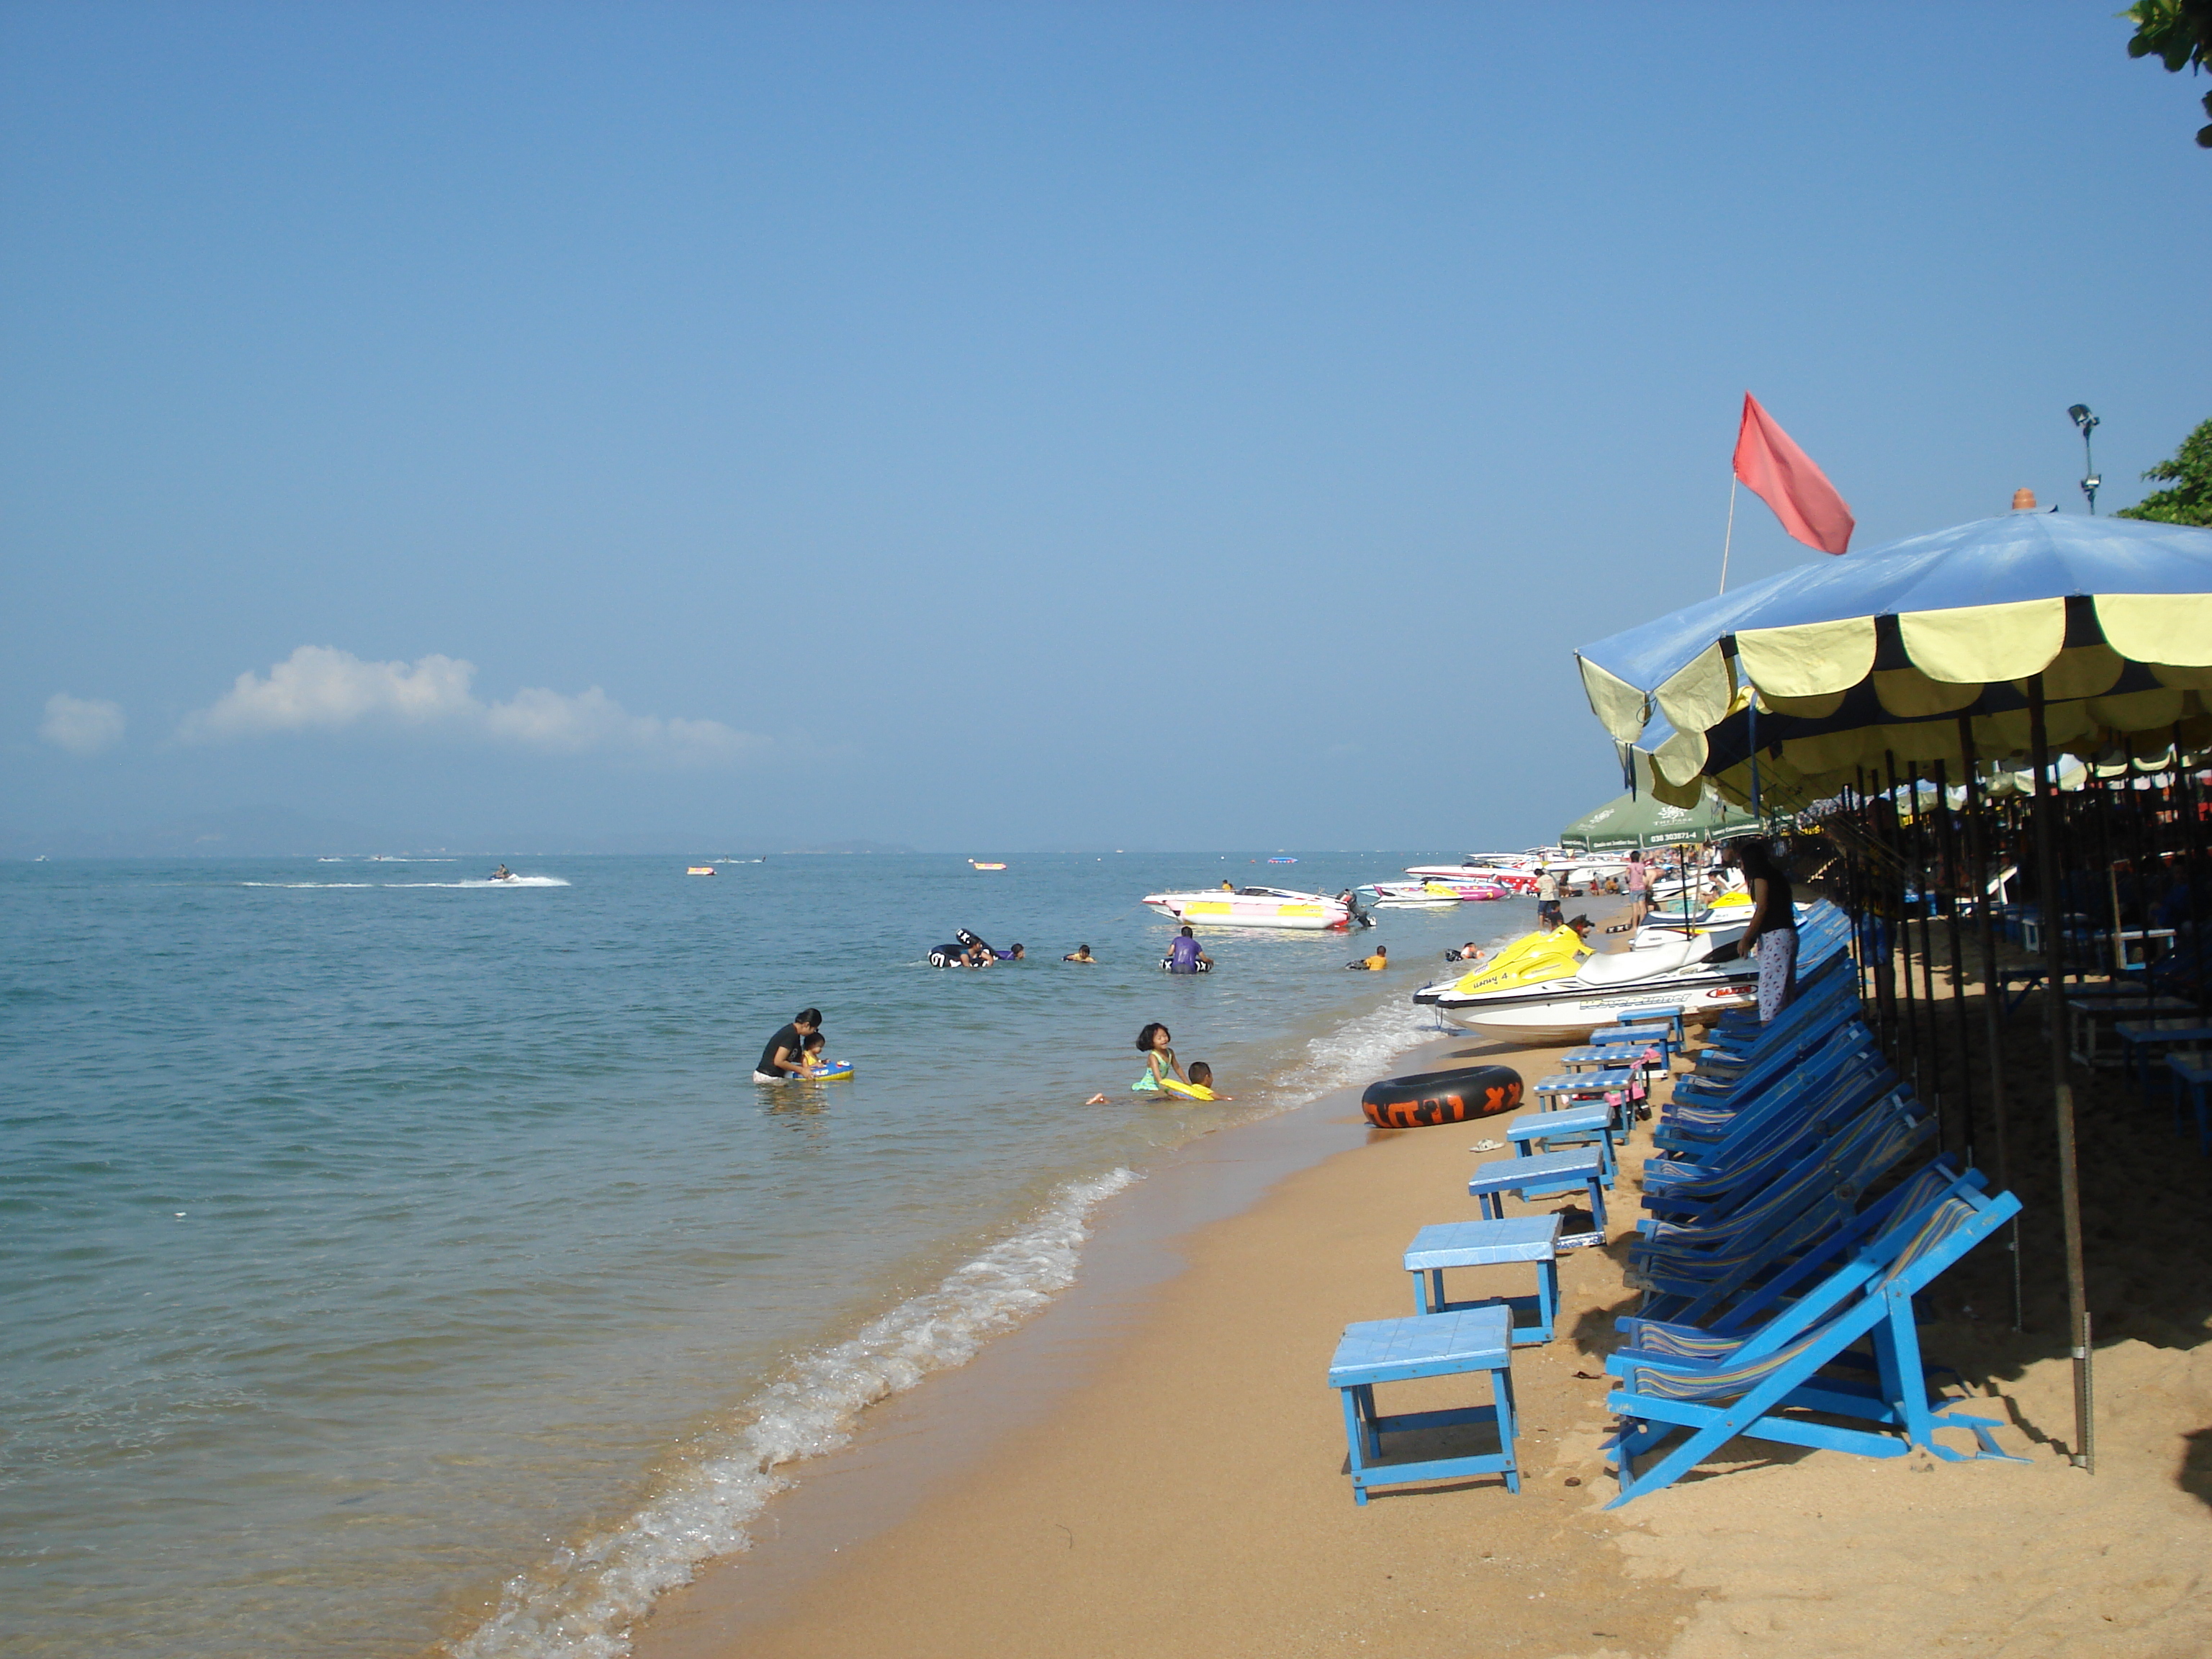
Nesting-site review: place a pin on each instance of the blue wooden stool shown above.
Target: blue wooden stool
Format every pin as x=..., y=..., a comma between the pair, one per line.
x=1437, y=1344
x=1580, y=1088
x=1541, y=1176
x=1661, y=1036
x=1535, y=1133
x=1670, y=1011
x=1531, y=1238
x=2193, y=1073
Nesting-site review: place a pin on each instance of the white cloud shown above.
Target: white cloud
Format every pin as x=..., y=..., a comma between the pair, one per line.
x=82, y=726
x=319, y=689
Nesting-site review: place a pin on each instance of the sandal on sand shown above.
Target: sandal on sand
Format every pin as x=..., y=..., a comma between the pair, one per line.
x=1484, y=1146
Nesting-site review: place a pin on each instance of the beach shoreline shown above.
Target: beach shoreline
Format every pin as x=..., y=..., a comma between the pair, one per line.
x=914, y=1450
x=1179, y=1489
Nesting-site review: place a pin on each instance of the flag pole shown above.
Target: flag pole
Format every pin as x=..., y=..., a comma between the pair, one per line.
x=1727, y=540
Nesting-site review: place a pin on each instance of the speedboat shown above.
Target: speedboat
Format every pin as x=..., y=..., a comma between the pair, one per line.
x=1253, y=907
x=1448, y=891
x=1545, y=988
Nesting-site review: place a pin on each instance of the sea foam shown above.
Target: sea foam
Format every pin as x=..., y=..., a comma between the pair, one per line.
x=580, y=1604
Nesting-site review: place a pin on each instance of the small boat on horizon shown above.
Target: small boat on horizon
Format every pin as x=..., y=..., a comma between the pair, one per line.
x=980, y=865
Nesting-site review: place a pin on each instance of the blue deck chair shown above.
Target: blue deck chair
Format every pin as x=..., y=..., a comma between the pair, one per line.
x=1778, y=1382
x=1707, y=1131
x=1682, y=1191
x=1686, y=1272
x=1731, y=1056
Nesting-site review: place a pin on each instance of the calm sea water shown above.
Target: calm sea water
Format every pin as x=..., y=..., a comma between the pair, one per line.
x=389, y=1260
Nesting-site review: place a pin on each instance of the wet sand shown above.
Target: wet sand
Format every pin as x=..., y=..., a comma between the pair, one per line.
x=1155, y=1466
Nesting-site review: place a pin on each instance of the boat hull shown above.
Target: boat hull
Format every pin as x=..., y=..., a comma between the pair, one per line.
x=1561, y=1014
x=1305, y=913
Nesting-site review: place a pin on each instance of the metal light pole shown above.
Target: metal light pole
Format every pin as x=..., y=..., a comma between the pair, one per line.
x=2088, y=422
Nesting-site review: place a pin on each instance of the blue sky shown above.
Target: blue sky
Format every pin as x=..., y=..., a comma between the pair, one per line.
x=1003, y=427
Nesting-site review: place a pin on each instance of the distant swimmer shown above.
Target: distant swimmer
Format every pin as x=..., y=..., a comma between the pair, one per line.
x=1374, y=964
x=1080, y=953
x=1469, y=952
x=1015, y=955
x=785, y=1057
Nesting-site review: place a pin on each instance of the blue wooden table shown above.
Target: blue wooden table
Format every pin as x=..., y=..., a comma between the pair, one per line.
x=1554, y=1093
x=2138, y=1035
x=1521, y=1239
x=1595, y=1125
x=1459, y=1344
x=1661, y=1036
x=1671, y=1012
x=1544, y=1176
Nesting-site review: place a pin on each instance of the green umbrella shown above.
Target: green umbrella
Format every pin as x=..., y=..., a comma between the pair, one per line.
x=1643, y=820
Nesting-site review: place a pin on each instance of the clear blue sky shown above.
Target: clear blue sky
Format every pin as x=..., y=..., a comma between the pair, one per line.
x=994, y=426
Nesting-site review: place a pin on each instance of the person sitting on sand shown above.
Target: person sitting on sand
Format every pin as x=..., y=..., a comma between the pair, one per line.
x=1185, y=955
x=1080, y=953
x=1202, y=1077
x=786, y=1054
x=1374, y=964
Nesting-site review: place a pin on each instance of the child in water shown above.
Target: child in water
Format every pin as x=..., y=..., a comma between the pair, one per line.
x=1159, y=1062
x=816, y=1061
x=1080, y=953
x=1374, y=964
x=1202, y=1077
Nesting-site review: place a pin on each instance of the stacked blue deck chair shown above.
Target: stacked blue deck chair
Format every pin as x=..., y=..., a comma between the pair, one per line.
x=1786, y=1232
x=1784, y=1377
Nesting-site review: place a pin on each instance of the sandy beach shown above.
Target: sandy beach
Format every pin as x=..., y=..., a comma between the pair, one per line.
x=1155, y=1465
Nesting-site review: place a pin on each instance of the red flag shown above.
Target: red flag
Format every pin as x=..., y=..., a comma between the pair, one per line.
x=1782, y=476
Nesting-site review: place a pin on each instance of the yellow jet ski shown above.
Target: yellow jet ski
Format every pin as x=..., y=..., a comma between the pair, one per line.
x=1529, y=960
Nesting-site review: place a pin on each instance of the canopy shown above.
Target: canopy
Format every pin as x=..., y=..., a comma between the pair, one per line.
x=1643, y=820
x=1907, y=652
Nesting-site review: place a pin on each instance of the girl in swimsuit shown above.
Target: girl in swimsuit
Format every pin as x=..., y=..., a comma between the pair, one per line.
x=1160, y=1059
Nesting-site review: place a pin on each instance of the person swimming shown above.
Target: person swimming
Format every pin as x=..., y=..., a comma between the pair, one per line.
x=1374, y=964
x=1080, y=953
x=1187, y=956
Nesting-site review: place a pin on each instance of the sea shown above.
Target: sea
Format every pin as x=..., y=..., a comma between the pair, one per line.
x=394, y=1262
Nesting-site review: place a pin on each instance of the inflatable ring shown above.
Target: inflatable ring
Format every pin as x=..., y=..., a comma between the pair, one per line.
x=1431, y=1097
x=1167, y=965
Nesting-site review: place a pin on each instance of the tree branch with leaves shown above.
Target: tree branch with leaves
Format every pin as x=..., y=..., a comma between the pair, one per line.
x=2190, y=500
x=2177, y=33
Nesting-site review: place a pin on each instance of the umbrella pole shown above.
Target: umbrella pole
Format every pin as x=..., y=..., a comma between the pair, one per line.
x=1922, y=861
x=2062, y=1085
x=1992, y=988
x=1910, y=1024
x=2185, y=801
x=1948, y=851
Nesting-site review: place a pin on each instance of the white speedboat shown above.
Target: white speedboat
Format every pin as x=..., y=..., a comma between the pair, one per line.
x=1535, y=1007
x=1252, y=907
x=1449, y=890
